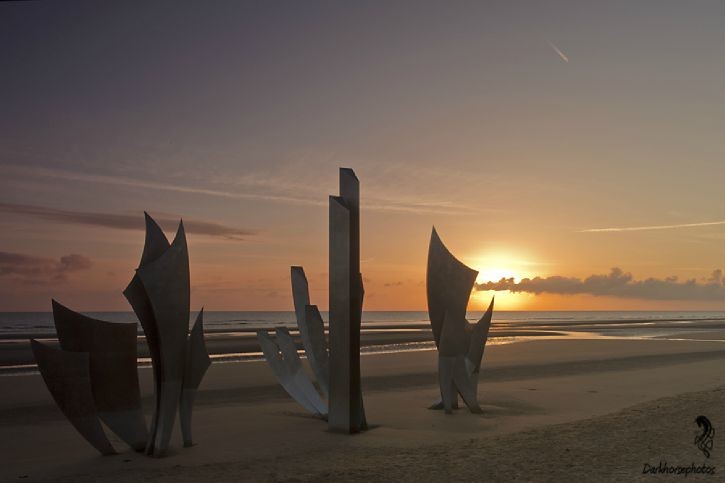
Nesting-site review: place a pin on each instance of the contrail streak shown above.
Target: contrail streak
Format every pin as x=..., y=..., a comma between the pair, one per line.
x=651, y=227
x=558, y=51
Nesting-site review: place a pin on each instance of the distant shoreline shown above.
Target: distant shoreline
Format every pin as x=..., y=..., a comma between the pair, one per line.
x=240, y=343
x=538, y=324
x=231, y=335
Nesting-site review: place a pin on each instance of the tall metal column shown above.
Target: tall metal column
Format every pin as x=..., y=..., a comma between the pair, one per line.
x=346, y=410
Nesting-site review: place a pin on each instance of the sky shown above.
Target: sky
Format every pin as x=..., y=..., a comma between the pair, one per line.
x=571, y=151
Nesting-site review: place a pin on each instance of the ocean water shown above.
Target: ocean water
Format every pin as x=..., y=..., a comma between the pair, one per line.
x=508, y=327
x=37, y=324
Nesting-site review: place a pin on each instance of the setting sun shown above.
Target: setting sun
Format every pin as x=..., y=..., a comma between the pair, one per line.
x=492, y=267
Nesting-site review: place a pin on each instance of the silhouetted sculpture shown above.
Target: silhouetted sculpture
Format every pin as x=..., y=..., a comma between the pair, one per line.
x=460, y=344
x=282, y=354
x=68, y=377
x=197, y=363
x=286, y=365
x=312, y=329
x=347, y=413
x=159, y=294
x=338, y=370
x=95, y=373
x=111, y=347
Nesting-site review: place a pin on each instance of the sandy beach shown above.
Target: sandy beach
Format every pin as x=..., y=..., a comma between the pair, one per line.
x=554, y=410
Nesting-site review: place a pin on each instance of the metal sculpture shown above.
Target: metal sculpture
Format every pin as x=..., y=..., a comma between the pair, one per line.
x=347, y=412
x=159, y=294
x=68, y=377
x=336, y=370
x=197, y=363
x=312, y=329
x=460, y=344
x=111, y=347
x=94, y=375
x=282, y=354
x=299, y=386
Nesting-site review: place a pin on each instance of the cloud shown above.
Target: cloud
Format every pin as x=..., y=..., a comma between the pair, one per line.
x=558, y=51
x=38, y=270
x=74, y=262
x=123, y=222
x=651, y=227
x=140, y=183
x=394, y=284
x=716, y=276
x=256, y=189
x=616, y=284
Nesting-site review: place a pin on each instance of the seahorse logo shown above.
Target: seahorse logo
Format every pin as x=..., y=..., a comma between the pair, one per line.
x=704, y=441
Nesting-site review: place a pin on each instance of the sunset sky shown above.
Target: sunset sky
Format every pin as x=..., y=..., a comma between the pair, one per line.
x=569, y=141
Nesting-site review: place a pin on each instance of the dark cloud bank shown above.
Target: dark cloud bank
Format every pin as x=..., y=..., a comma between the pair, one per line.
x=123, y=222
x=39, y=270
x=617, y=284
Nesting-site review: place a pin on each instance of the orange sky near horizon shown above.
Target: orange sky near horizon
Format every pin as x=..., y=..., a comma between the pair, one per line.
x=231, y=275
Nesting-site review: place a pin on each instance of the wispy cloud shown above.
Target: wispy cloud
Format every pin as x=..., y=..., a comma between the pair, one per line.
x=616, y=284
x=33, y=270
x=285, y=191
x=651, y=227
x=123, y=221
x=394, y=284
x=138, y=183
x=558, y=51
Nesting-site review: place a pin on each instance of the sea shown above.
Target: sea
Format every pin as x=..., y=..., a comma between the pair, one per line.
x=20, y=325
x=507, y=327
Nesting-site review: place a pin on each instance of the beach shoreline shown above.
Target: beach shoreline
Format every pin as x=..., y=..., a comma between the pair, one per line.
x=240, y=343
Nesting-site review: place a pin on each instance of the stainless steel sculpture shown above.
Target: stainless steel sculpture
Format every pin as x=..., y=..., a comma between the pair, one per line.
x=159, y=294
x=337, y=371
x=285, y=375
x=282, y=355
x=95, y=374
x=312, y=329
x=111, y=347
x=460, y=344
x=197, y=363
x=347, y=413
x=68, y=377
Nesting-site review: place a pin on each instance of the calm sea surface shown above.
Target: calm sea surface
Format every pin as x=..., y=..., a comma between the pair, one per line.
x=508, y=327
x=25, y=324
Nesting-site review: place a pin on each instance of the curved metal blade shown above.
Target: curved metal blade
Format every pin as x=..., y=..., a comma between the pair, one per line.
x=68, y=378
x=111, y=347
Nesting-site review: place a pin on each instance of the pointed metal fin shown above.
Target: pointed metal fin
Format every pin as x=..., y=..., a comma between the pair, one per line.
x=197, y=363
x=312, y=329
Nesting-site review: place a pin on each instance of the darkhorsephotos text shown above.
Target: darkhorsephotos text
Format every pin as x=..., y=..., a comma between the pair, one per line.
x=664, y=468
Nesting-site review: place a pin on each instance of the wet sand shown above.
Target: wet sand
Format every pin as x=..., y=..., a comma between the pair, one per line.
x=240, y=343
x=235, y=345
